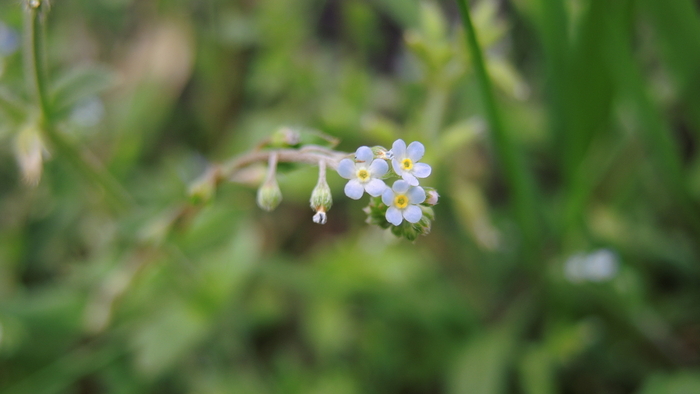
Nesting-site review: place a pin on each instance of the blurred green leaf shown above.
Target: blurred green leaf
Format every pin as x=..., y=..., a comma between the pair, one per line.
x=483, y=365
x=685, y=382
x=537, y=372
x=77, y=85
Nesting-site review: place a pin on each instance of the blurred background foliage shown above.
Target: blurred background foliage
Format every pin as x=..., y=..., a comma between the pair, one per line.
x=587, y=282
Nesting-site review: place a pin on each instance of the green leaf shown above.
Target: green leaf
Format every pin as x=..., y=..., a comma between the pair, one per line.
x=482, y=365
x=537, y=372
x=678, y=383
x=77, y=85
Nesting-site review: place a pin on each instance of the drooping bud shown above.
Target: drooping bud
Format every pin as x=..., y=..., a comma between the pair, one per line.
x=29, y=151
x=321, y=199
x=269, y=193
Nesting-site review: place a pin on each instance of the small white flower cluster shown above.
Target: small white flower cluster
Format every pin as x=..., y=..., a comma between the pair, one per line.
x=366, y=171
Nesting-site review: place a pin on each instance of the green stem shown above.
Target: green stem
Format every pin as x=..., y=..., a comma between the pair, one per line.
x=85, y=163
x=519, y=180
x=36, y=57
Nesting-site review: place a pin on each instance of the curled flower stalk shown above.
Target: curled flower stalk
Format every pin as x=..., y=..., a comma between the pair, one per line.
x=405, y=208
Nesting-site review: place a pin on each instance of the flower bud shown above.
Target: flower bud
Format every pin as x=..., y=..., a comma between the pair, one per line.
x=321, y=200
x=29, y=151
x=381, y=152
x=269, y=194
x=284, y=137
x=431, y=197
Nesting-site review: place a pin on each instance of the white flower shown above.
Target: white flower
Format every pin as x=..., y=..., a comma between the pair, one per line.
x=363, y=173
x=598, y=266
x=402, y=200
x=405, y=161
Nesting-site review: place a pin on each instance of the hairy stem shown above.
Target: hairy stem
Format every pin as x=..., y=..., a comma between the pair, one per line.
x=310, y=154
x=85, y=163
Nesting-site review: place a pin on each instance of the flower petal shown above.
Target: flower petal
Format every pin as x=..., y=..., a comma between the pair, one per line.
x=399, y=149
x=397, y=166
x=416, y=195
x=412, y=214
x=346, y=169
x=364, y=154
x=400, y=186
x=409, y=178
x=415, y=151
x=378, y=168
x=393, y=216
x=354, y=189
x=375, y=187
x=421, y=170
x=388, y=196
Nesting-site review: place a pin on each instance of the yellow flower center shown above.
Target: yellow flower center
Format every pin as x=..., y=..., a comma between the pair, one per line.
x=401, y=201
x=407, y=164
x=363, y=175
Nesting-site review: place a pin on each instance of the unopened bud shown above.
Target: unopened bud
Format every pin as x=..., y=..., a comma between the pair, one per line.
x=321, y=196
x=269, y=195
x=321, y=200
x=29, y=151
x=381, y=152
x=285, y=136
x=431, y=197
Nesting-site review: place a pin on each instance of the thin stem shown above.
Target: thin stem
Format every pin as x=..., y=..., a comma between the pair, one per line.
x=84, y=162
x=308, y=155
x=518, y=179
x=36, y=56
x=271, y=166
x=321, y=171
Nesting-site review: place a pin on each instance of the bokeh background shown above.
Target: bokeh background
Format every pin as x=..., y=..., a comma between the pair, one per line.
x=563, y=257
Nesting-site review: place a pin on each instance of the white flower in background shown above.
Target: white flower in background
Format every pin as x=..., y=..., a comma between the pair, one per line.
x=402, y=200
x=598, y=266
x=363, y=173
x=405, y=161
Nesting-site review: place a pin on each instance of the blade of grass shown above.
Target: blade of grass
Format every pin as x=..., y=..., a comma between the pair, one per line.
x=520, y=181
x=655, y=131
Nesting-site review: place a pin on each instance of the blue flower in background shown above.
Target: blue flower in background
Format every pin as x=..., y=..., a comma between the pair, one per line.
x=9, y=40
x=363, y=173
x=402, y=200
x=405, y=161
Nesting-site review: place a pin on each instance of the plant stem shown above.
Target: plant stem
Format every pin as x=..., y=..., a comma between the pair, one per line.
x=85, y=163
x=519, y=180
x=310, y=154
